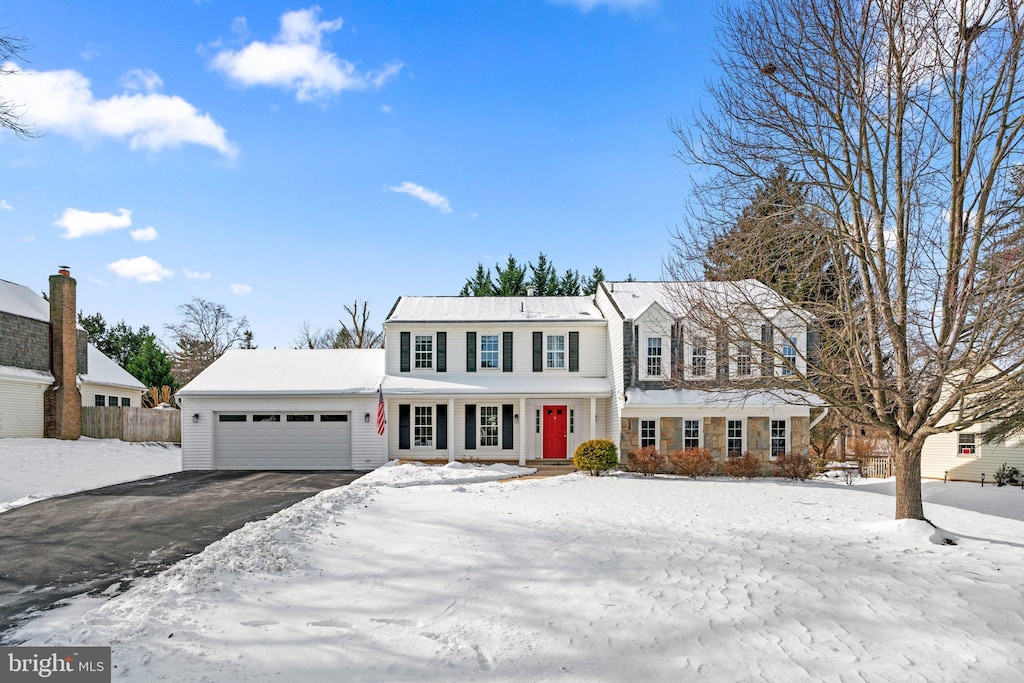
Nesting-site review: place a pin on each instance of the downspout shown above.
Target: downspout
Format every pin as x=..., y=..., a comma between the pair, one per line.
x=819, y=418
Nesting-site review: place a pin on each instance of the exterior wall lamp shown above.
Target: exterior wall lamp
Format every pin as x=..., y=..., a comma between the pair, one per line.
x=366, y=417
x=195, y=418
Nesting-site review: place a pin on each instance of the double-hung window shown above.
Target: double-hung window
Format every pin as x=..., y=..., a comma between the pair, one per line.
x=424, y=351
x=488, y=351
x=743, y=359
x=423, y=426
x=100, y=400
x=966, y=445
x=734, y=438
x=789, y=353
x=488, y=426
x=654, y=356
x=648, y=433
x=691, y=434
x=699, y=357
x=778, y=438
x=555, y=351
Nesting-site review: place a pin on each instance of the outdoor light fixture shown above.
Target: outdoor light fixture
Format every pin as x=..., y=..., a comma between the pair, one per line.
x=195, y=417
x=517, y=418
x=366, y=417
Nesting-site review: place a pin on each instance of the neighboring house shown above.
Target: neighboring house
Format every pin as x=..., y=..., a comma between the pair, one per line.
x=108, y=384
x=42, y=354
x=499, y=378
x=284, y=410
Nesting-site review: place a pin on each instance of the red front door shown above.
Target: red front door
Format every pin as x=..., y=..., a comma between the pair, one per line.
x=554, y=431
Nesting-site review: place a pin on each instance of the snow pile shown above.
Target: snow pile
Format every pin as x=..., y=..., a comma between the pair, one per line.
x=575, y=577
x=399, y=474
x=34, y=469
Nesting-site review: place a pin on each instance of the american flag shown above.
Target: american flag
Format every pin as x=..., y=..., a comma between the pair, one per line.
x=381, y=420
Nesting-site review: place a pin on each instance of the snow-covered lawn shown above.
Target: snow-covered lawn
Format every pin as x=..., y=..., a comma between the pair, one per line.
x=34, y=469
x=576, y=577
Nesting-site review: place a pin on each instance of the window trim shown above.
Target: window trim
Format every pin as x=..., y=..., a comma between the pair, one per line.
x=692, y=351
x=414, y=425
x=99, y=400
x=742, y=437
x=640, y=432
x=548, y=351
x=660, y=357
x=744, y=350
x=700, y=428
x=126, y=401
x=789, y=358
x=482, y=435
x=113, y=401
x=497, y=351
x=771, y=436
x=973, y=445
x=428, y=357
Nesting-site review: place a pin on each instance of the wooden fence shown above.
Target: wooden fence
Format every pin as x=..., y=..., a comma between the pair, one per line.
x=876, y=466
x=132, y=424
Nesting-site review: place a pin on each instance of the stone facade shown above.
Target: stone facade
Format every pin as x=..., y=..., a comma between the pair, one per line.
x=800, y=435
x=629, y=436
x=759, y=437
x=714, y=436
x=24, y=343
x=671, y=429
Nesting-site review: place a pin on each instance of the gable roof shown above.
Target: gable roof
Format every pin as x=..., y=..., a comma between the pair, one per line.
x=633, y=298
x=290, y=371
x=103, y=370
x=494, y=309
x=22, y=301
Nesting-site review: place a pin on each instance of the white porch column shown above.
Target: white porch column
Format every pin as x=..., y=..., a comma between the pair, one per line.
x=451, y=429
x=593, y=417
x=522, y=431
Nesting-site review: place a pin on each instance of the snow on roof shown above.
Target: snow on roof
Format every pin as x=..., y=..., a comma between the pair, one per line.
x=730, y=398
x=20, y=300
x=291, y=371
x=494, y=309
x=103, y=370
x=25, y=375
x=400, y=385
x=633, y=298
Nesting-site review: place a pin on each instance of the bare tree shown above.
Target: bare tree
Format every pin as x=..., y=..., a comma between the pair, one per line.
x=205, y=332
x=12, y=47
x=358, y=328
x=308, y=338
x=902, y=121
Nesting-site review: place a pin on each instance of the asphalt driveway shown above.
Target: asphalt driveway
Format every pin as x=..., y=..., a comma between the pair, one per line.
x=87, y=542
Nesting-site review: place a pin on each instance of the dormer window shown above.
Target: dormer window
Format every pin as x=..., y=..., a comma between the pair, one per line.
x=699, y=357
x=743, y=359
x=789, y=354
x=424, y=352
x=654, y=357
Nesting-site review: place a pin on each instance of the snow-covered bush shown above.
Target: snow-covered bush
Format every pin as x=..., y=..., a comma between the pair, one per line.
x=793, y=466
x=646, y=461
x=692, y=462
x=596, y=456
x=747, y=466
x=1006, y=475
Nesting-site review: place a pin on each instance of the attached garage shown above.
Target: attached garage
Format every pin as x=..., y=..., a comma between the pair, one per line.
x=284, y=410
x=21, y=401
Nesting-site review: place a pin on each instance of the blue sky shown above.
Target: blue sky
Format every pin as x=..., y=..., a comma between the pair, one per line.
x=286, y=159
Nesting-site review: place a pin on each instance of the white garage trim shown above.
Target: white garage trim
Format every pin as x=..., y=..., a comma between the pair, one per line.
x=283, y=439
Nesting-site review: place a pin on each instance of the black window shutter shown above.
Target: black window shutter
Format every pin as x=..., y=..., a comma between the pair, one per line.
x=538, y=352
x=506, y=426
x=442, y=351
x=506, y=352
x=574, y=352
x=676, y=343
x=404, y=353
x=470, y=427
x=471, y=352
x=442, y=427
x=403, y=424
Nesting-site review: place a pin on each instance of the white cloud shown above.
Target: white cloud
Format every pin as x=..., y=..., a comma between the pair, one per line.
x=142, y=268
x=142, y=80
x=147, y=234
x=240, y=290
x=588, y=5
x=296, y=60
x=28, y=238
x=5, y=205
x=62, y=102
x=193, y=275
x=385, y=108
x=78, y=223
x=439, y=202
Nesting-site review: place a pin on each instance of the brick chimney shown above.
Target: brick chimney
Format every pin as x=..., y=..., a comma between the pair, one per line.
x=63, y=400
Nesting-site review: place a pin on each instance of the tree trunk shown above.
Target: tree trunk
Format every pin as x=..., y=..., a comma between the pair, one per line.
x=907, y=455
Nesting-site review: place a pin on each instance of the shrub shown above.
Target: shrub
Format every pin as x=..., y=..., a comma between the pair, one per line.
x=646, y=461
x=747, y=466
x=793, y=466
x=692, y=462
x=596, y=456
x=1006, y=475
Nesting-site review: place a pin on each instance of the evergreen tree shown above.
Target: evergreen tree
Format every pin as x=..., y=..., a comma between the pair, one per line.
x=247, y=341
x=152, y=366
x=511, y=279
x=120, y=343
x=569, y=285
x=543, y=276
x=590, y=283
x=480, y=284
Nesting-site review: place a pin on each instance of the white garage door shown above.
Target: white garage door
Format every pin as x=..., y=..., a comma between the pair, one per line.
x=283, y=441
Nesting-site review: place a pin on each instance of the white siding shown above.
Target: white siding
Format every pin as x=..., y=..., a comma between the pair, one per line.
x=89, y=391
x=593, y=347
x=613, y=409
x=939, y=456
x=368, y=448
x=21, y=409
